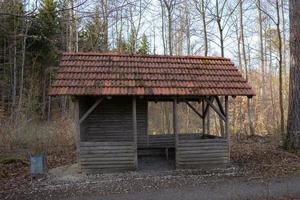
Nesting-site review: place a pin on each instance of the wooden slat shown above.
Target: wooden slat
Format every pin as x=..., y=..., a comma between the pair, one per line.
x=106, y=143
x=95, y=156
x=196, y=152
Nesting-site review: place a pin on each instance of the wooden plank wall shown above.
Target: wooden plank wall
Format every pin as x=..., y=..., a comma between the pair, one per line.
x=201, y=153
x=111, y=121
x=107, y=134
x=106, y=156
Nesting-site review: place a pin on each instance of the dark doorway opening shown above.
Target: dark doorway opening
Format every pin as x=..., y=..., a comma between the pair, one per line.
x=156, y=159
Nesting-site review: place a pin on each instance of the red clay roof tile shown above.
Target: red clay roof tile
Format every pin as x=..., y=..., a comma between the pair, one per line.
x=112, y=74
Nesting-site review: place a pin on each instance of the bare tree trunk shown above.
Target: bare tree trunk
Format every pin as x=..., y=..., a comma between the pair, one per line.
x=283, y=40
x=14, y=88
x=242, y=38
x=105, y=11
x=219, y=22
x=240, y=64
x=71, y=27
x=170, y=4
x=170, y=31
x=163, y=27
x=188, y=30
x=275, y=120
x=23, y=64
x=204, y=28
x=203, y=7
x=261, y=51
x=293, y=125
x=282, y=129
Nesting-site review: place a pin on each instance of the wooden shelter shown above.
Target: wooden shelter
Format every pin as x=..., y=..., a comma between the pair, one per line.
x=111, y=94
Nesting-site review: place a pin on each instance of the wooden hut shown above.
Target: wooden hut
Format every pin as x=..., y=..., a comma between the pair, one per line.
x=111, y=94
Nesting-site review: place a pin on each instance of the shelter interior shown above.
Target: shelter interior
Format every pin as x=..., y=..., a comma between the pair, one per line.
x=113, y=134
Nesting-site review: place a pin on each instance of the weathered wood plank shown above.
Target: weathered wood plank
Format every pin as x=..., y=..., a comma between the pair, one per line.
x=106, y=143
x=193, y=153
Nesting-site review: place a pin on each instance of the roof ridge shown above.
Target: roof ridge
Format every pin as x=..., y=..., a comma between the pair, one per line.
x=144, y=56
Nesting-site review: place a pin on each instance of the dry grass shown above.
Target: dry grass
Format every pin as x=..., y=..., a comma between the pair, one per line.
x=37, y=136
x=55, y=139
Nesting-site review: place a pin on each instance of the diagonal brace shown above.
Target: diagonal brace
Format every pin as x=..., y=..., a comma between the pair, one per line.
x=207, y=106
x=194, y=109
x=210, y=102
x=220, y=106
x=91, y=109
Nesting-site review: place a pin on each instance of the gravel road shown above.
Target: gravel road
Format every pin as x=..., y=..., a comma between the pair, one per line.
x=277, y=188
x=67, y=183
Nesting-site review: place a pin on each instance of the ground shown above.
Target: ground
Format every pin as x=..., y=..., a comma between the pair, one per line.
x=258, y=167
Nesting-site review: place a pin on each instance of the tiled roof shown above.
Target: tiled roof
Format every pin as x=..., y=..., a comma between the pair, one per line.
x=112, y=74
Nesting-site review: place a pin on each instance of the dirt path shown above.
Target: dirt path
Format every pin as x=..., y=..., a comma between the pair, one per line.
x=277, y=188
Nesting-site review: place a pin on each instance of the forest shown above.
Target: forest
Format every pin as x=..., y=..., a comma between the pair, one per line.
x=257, y=35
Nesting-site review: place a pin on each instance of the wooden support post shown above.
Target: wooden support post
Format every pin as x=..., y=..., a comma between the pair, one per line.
x=207, y=107
x=77, y=129
x=175, y=128
x=147, y=124
x=134, y=124
x=227, y=132
x=203, y=119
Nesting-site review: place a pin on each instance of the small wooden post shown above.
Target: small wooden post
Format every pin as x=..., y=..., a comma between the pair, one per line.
x=203, y=119
x=134, y=123
x=147, y=125
x=77, y=129
x=227, y=132
x=175, y=127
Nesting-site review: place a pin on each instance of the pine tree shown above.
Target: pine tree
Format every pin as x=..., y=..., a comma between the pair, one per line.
x=144, y=46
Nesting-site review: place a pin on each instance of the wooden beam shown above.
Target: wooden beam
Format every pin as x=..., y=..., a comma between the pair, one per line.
x=77, y=129
x=227, y=131
x=134, y=124
x=91, y=109
x=175, y=128
x=220, y=106
x=194, y=109
x=216, y=109
x=207, y=106
x=203, y=118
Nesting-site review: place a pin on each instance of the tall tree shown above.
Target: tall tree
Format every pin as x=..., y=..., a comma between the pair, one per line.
x=170, y=6
x=293, y=125
x=242, y=43
x=278, y=28
x=261, y=52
